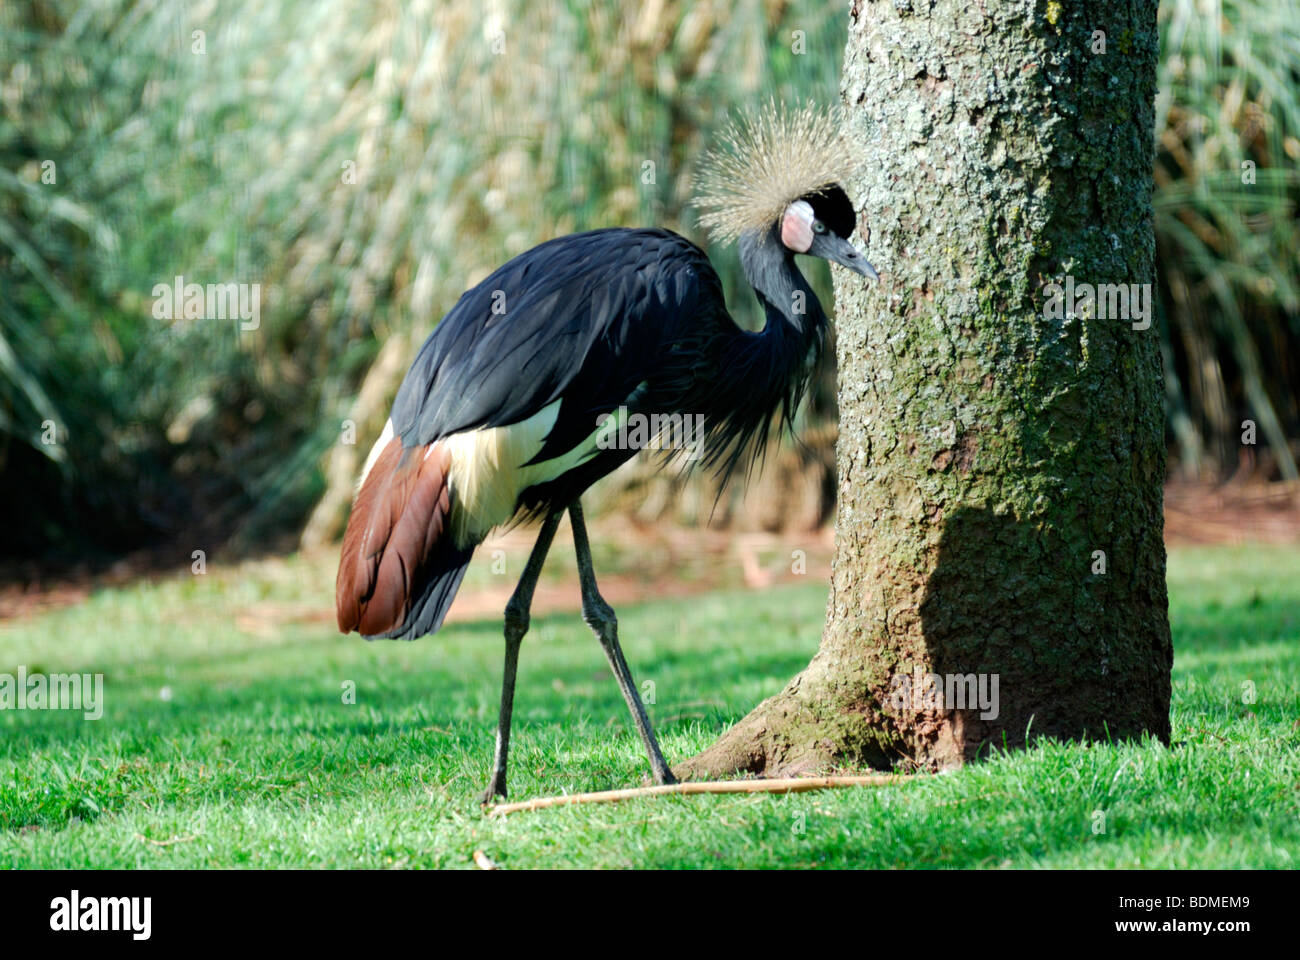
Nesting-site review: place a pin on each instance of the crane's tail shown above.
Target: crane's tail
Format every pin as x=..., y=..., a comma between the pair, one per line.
x=400, y=567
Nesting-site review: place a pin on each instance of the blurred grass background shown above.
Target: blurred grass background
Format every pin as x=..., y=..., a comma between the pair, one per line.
x=366, y=162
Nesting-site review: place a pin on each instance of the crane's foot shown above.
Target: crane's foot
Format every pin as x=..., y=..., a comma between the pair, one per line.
x=515, y=626
x=600, y=617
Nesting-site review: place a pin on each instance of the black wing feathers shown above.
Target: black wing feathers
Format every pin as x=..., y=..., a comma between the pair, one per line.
x=581, y=318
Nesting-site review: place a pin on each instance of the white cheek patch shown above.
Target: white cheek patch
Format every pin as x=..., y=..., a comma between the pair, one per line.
x=796, y=226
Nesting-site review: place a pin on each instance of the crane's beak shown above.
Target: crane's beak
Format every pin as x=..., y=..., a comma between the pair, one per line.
x=838, y=250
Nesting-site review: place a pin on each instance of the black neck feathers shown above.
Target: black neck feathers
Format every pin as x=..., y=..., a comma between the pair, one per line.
x=786, y=296
x=764, y=374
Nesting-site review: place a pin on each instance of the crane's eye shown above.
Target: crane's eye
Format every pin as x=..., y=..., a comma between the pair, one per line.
x=819, y=227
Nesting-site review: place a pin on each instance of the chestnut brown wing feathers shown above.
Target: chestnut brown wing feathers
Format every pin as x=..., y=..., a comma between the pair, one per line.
x=391, y=551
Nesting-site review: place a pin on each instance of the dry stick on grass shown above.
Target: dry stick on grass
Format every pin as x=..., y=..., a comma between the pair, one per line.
x=789, y=785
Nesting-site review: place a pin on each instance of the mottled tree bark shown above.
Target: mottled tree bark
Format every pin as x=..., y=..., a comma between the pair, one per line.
x=988, y=448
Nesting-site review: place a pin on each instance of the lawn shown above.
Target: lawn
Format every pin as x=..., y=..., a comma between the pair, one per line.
x=226, y=741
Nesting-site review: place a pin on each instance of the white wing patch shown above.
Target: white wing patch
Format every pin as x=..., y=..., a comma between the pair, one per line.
x=488, y=469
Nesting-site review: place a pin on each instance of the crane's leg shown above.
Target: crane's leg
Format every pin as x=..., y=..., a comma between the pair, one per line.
x=516, y=625
x=600, y=617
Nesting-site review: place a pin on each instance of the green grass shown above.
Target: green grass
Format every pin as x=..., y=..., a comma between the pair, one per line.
x=221, y=747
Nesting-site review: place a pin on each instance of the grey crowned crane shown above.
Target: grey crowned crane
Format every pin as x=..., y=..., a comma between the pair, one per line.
x=501, y=415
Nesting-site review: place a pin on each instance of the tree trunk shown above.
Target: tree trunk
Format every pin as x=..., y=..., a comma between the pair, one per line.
x=1000, y=462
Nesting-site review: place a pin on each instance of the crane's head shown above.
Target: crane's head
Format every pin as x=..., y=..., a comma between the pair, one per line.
x=784, y=171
